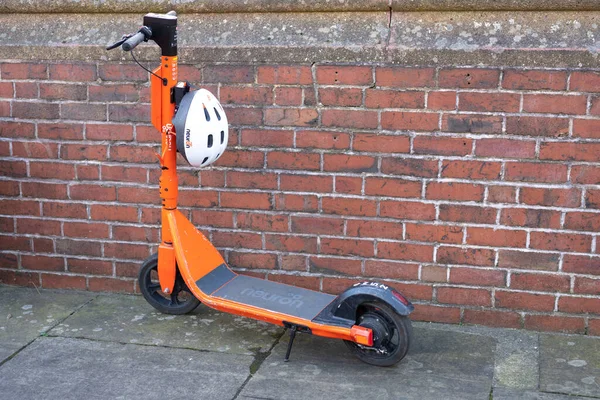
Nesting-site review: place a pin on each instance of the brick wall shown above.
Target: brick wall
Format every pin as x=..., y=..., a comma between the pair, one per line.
x=474, y=191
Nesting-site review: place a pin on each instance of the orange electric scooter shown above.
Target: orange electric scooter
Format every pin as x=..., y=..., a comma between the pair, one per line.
x=370, y=317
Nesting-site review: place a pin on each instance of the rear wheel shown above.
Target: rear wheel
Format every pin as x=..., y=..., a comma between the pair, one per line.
x=392, y=334
x=181, y=301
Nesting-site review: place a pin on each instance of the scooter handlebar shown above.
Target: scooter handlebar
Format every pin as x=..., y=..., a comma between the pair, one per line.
x=133, y=41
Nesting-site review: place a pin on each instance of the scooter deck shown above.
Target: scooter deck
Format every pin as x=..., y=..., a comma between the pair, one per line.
x=273, y=296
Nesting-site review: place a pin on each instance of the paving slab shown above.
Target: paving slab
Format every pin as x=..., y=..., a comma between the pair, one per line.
x=65, y=368
x=27, y=313
x=130, y=319
x=570, y=365
x=512, y=394
x=440, y=364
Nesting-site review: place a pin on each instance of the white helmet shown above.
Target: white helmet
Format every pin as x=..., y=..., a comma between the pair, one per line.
x=201, y=128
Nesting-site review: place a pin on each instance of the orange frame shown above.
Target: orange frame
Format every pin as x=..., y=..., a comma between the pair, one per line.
x=186, y=248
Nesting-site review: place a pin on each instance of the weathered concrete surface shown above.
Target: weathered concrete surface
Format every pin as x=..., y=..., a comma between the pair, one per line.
x=570, y=365
x=244, y=6
x=61, y=368
x=550, y=39
x=512, y=394
x=441, y=364
x=129, y=319
x=26, y=314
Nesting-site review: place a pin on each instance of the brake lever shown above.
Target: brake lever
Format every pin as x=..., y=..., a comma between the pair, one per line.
x=119, y=42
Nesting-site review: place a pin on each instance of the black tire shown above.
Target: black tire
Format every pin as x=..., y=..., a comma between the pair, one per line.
x=181, y=301
x=392, y=335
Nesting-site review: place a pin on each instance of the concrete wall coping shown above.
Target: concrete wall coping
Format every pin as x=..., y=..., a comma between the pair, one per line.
x=246, y=6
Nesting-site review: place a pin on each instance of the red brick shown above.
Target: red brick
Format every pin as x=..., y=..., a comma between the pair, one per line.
x=43, y=263
x=405, y=77
x=294, y=262
x=540, y=282
x=410, y=166
x=349, y=163
x=555, y=104
x=212, y=178
x=32, y=110
x=331, y=265
x=50, y=170
x=392, y=99
x=581, y=264
x=586, y=128
x=454, y=191
x=407, y=210
x=535, y=172
x=341, y=97
x=347, y=247
x=496, y=237
x=489, y=102
x=241, y=159
x=288, y=160
x=23, y=90
x=59, y=91
x=532, y=218
x=243, y=240
x=92, y=192
x=467, y=256
x=381, y=143
x=442, y=145
x=228, y=74
x=292, y=202
x=374, y=229
x=291, y=117
x=391, y=269
x=570, y=151
x=431, y=313
x=35, y=150
x=5, y=110
x=60, y=131
x=24, y=71
x=73, y=72
x=15, y=243
x=122, y=72
x=587, y=286
x=243, y=116
x=13, y=168
x=124, y=174
x=317, y=225
x=344, y=75
x=441, y=101
x=85, y=152
x=473, y=297
x=6, y=90
x=120, y=92
x=433, y=273
x=20, y=207
x=496, y=319
x=8, y=260
x=594, y=327
x=473, y=170
x=125, y=113
x=188, y=198
x=477, y=277
x=288, y=96
x=223, y=219
x=551, y=197
x=346, y=206
x=290, y=243
x=537, y=126
x=527, y=260
x=585, y=81
x=252, y=260
x=405, y=251
x=44, y=245
x=285, y=75
x=469, y=78
x=306, y=183
x=348, y=184
x=86, y=230
x=114, y=213
x=63, y=282
x=434, y=233
x=337, y=284
x=255, y=95
x=554, y=323
x=505, y=148
x=308, y=282
x=19, y=278
x=19, y=130
x=261, y=201
x=592, y=199
x=44, y=190
x=534, y=80
x=583, y=221
x=262, y=222
x=561, y=241
x=470, y=123
x=357, y=119
x=135, y=233
x=416, y=121
x=251, y=180
x=392, y=187
x=524, y=301
x=322, y=140
x=579, y=305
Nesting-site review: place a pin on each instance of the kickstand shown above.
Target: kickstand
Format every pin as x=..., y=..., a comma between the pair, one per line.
x=289, y=348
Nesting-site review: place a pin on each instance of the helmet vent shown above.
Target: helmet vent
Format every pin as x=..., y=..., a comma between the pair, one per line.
x=210, y=141
x=205, y=159
x=206, y=115
x=216, y=112
x=222, y=136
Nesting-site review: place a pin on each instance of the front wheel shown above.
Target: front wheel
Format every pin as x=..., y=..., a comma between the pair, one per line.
x=392, y=334
x=181, y=301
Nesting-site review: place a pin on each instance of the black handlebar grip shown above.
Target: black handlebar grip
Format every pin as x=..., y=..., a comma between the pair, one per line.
x=133, y=41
